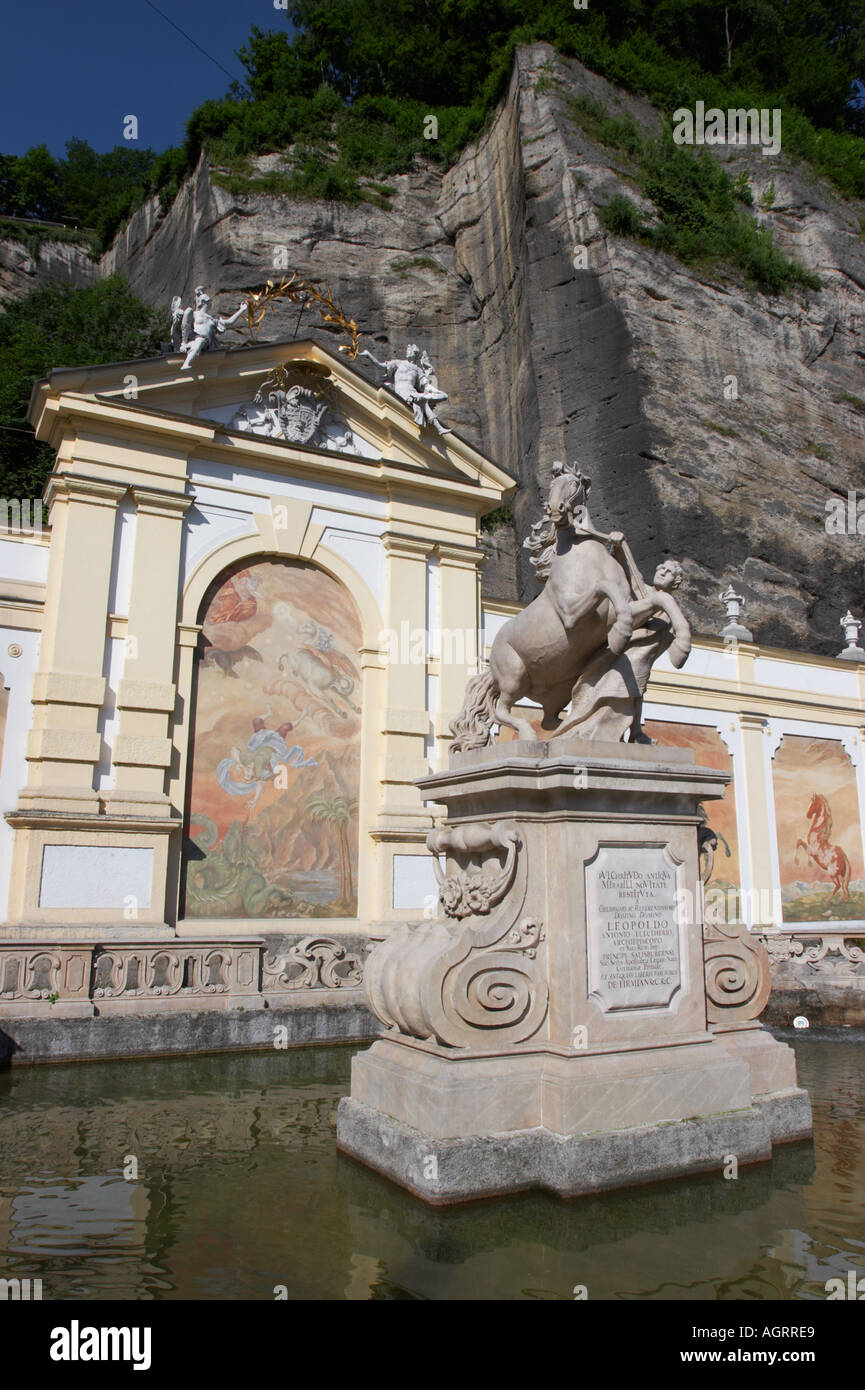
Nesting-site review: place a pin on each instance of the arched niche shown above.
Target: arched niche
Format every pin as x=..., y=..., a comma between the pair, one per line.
x=247, y=550
x=274, y=766
x=818, y=828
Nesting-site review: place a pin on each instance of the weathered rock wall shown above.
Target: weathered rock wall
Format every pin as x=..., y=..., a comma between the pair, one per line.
x=621, y=366
x=21, y=272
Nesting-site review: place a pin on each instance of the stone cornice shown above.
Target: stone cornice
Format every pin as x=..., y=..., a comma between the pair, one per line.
x=753, y=719
x=460, y=556
x=79, y=487
x=159, y=502
x=406, y=547
x=188, y=634
x=76, y=820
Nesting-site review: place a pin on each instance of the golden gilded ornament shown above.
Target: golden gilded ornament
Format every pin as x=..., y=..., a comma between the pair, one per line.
x=296, y=291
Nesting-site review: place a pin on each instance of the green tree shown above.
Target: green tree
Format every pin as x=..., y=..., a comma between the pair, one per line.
x=349, y=84
x=33, y=185
x=62, y=327
x=86, y=189
x=338, y=812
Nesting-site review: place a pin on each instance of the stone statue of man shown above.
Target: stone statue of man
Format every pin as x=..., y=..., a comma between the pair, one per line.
x=193, y=331
x=608, y=695
x=413, y=379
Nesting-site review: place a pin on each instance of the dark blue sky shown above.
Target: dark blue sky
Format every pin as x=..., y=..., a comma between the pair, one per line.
x=77, y=68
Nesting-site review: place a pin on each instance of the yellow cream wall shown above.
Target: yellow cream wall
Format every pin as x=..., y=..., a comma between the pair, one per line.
x=106, y=618
x=96, y=779
x=23, y=573
x=754, y=697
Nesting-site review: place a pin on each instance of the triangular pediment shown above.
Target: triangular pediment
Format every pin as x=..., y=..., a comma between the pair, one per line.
x=297, y=402
x=295, y=395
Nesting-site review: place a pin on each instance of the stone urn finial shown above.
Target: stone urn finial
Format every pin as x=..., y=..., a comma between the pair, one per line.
x=733, y=605
x=851, y=626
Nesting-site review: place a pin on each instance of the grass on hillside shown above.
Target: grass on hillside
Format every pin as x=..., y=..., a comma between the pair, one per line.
x=701, y=215
x=34, y=235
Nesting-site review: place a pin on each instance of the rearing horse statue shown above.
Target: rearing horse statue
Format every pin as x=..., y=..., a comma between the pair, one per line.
x=572, y=642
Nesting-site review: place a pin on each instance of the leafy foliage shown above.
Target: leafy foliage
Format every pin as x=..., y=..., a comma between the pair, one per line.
x=78, y=327
x=33, y=235
x=698, y=219
x=347, y=90
x=96, y=192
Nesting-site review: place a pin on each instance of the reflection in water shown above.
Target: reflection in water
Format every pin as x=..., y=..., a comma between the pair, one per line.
x=240, y=1190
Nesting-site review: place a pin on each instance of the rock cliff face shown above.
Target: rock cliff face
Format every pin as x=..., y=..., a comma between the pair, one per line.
x=621, y=366
x=21, y=272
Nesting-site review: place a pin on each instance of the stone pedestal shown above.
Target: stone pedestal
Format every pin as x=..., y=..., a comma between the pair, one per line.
x=566, y=1022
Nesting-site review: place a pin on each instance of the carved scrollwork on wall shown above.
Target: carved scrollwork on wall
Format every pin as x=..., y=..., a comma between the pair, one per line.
x=129, y=977
x=814, y=950
x=469, y=978
x=738, y=977
x=783, y=948
x=43, y=975
x=829, y=945
x=316, y=962
x=470, y=891
x=110, y=974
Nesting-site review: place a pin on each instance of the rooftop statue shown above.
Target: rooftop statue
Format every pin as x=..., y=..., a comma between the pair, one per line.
x=414, y=380
x=194, y=330
x=589, y=640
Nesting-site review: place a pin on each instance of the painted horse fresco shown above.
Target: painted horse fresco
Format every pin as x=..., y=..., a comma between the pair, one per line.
x=819, y=847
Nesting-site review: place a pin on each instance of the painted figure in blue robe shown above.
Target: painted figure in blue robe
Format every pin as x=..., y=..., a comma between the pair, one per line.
x=267, y=753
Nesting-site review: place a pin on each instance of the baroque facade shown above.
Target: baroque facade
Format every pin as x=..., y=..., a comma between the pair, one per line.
x=241, y=642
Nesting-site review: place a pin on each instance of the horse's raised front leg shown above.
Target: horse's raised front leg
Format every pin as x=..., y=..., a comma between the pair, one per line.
x=572, y=609
x=619, y=634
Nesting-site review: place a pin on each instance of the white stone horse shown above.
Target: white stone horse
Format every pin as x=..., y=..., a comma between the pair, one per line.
x=587, y=608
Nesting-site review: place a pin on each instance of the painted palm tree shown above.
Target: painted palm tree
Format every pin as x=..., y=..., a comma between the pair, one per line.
x=338, y=812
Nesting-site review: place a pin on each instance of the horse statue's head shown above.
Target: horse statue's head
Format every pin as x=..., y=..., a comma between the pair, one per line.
x=567, y=495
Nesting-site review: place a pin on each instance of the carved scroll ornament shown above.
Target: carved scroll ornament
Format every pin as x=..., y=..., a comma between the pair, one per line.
x=474, y=977
x=738, y=978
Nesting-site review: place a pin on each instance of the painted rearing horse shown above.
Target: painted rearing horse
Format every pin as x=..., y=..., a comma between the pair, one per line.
x=827, y=856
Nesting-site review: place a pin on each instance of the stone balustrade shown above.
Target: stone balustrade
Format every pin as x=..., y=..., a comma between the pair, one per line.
x=82, y=979
x=818, y=976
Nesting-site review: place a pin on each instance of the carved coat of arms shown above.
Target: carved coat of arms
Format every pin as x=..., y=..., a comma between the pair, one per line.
x=298, y=413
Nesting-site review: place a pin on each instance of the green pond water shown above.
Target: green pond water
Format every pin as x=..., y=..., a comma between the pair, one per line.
x=240, y=1190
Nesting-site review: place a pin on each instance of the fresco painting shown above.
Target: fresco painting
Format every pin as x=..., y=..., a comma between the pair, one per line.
x=710, y=751
x=272, y=828
x=819, y=838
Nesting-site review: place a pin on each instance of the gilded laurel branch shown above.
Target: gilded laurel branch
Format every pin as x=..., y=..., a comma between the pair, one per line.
x=297, y=291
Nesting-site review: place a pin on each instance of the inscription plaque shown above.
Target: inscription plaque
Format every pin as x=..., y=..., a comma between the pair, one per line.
x=633, y=935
